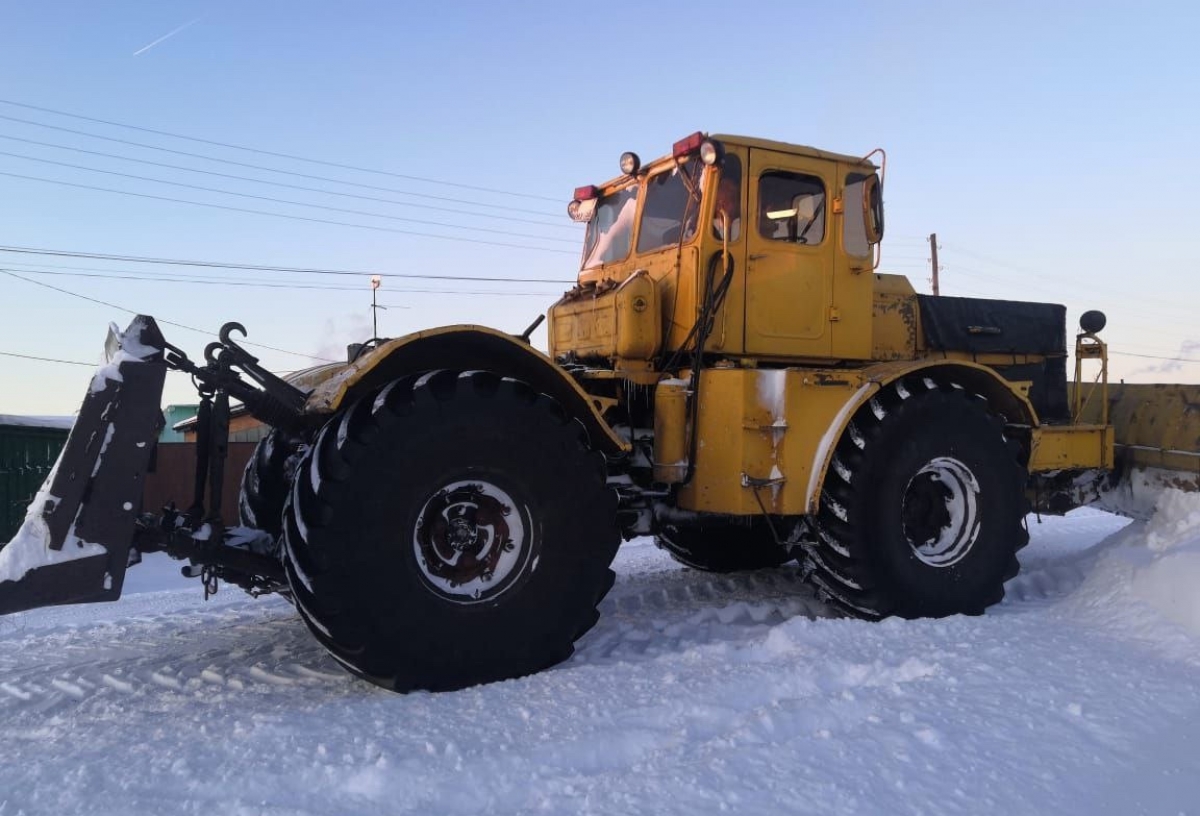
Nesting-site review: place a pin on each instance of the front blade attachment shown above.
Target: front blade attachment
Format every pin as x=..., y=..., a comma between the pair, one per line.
x=74, y=544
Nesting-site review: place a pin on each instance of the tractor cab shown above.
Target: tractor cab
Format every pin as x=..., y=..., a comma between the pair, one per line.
x=784, y=234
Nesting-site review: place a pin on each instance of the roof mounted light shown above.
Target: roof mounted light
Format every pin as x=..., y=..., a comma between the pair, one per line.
x=686, y=145
x=630, y=163
x=1092, y=321
x=587, y=192
x=582, y=211
x=711, y=152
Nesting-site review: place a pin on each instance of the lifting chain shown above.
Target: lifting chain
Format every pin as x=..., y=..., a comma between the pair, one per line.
x=208, y=577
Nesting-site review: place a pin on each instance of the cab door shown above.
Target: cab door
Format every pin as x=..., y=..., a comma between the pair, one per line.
x=789, y=264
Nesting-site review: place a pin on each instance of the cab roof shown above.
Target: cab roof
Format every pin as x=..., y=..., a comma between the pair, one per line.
x=751, y=142
x=787, y=147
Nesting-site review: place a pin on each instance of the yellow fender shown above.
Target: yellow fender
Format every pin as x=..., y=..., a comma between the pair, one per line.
x=465, y=348
x=1003, y=396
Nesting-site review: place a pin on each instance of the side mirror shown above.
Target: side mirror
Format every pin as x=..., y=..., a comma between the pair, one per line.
x=872, y=204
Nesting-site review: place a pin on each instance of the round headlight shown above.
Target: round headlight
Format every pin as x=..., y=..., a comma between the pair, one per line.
x=711, y=152
x=573, y=209
x=630, y=163
x=1092, y=321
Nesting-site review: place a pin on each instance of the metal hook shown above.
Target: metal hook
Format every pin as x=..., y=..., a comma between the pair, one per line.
x=228, y=329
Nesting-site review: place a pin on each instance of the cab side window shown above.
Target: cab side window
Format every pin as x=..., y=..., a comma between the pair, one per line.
x=791, y=207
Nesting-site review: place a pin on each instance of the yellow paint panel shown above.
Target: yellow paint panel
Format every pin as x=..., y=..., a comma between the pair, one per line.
x=769, y=427
x=1070, y=447
x=895, y=319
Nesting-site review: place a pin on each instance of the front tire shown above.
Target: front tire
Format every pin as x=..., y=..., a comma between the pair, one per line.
x=450, y=530
x=923, y=509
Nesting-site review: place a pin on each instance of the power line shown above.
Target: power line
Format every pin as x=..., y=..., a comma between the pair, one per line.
x=286, y=216
x=469, y=292
x=216, y=281
x=164, y=322
x=290, y=156
x=45, y=359
x=261, y=167
x=1154, y=357
x=290, y=202
x=101, y=256
x=180, y=279
x=558, y=223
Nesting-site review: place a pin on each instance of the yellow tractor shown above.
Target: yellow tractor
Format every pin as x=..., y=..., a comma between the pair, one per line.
x=730, y=375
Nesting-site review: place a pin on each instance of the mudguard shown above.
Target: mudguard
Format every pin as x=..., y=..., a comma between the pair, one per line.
x=466, y=348
x=74, y=544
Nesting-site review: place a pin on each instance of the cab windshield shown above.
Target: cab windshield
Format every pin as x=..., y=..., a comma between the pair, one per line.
x=610, y=232
x=672, y=203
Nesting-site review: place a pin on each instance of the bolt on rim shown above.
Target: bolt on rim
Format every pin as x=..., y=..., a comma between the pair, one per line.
x=940, y=512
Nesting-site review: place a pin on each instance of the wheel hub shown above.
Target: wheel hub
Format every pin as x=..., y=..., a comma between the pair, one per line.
x=940, y=512
x=472, y=541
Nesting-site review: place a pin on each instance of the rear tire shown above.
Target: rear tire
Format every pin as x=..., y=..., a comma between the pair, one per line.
x=265, y=483
x=922, y=511
x=450, y=530
x=722, y=546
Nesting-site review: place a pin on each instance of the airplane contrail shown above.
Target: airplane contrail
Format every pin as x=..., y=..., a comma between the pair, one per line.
x=167, y=36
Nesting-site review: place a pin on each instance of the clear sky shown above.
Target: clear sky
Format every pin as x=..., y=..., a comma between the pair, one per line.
x=1050, y=145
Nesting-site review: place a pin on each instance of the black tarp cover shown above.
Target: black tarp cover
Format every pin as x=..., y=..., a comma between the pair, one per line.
x=980, y=326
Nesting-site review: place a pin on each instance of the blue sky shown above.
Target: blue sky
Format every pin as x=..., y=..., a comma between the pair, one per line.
x=1050, y=146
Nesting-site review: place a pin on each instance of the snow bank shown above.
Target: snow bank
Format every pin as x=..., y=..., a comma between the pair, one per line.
x=1170, y=580
x=1151, y=571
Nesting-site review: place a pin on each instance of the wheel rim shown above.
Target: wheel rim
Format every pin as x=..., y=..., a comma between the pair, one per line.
x=940, y=512
x=472, y=541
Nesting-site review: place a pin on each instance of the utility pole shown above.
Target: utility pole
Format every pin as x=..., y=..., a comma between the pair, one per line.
x=375, y=307
x=933, y=259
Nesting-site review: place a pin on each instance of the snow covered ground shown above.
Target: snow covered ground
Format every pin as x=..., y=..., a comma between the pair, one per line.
x=695, y=694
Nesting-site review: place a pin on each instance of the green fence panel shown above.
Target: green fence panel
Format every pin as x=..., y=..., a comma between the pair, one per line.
x=26, y=456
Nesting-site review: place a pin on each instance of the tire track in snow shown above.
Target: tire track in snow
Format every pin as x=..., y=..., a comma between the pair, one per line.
x=678, y=609
x=197, y=654
x=248, y=646
x=252, y=646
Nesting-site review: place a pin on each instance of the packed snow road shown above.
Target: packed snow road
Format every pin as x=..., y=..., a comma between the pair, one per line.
x=695, y=694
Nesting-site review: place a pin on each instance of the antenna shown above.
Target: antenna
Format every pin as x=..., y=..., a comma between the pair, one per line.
x=375, y=307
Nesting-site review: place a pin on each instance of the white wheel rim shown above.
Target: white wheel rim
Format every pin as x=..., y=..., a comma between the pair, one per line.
x=941, y=536
x=472, y=541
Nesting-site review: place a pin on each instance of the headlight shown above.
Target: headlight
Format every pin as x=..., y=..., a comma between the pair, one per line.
x=630, y=163
x=582, y=211
x=711, y=152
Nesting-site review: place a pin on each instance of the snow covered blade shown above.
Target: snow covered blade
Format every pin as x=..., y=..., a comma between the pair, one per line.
x=74, y=544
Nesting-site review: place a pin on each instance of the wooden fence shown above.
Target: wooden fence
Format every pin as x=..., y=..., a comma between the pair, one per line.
x=175, y=474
